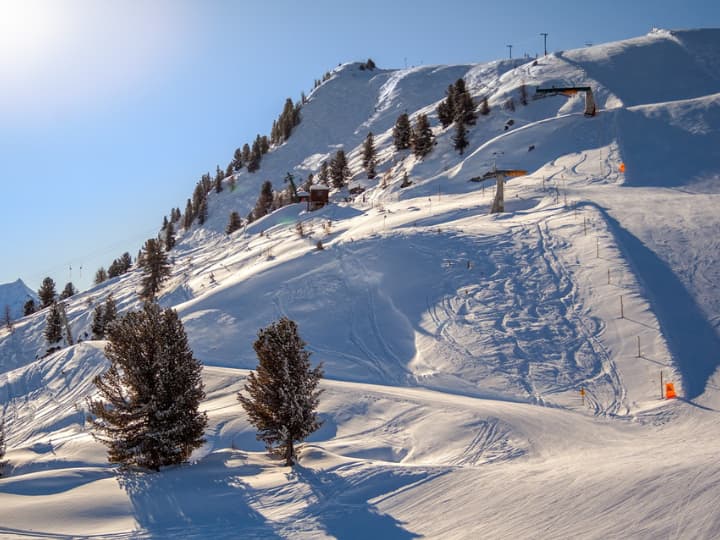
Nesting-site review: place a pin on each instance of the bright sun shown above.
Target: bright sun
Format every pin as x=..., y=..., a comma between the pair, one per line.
x=28, y=29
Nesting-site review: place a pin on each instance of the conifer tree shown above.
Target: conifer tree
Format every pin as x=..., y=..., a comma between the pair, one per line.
x=234, y=223
x=339, y=171
x=53, y=327
x=324, y=174
x=446, y=108
x=460, y=141
x=202, y=212
x=282, y=394
x=68, y=291
x=189, y=215
x=464, y=105
x=164, y=223
x=169, y=239
x=264, y=145
x=155, y=267
x=100, y=276
x=402, y=132
x=98, y=325
x=46, y=292
x=7, y=319
x=246, y=153
x=264, y=201
x=369, y=155
x=2, y=445
x=29, y=307
x=422, y=137
x=219, y=176
x=148, y=412
x=485, y=107
x=253, y=163
x=237, y=161
x=229, y=170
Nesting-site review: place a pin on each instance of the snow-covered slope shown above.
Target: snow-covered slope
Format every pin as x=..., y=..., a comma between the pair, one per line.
x=14, y=295
x=456, y=343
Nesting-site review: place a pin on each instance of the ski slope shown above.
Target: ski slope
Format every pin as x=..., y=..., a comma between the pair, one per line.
x=456, y=343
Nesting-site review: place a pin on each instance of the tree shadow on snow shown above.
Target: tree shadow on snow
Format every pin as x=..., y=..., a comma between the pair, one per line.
x=207, y=500
x=342, y=505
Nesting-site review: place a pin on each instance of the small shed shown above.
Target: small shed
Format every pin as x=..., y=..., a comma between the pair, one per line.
x=303, y=196
x=319, y=196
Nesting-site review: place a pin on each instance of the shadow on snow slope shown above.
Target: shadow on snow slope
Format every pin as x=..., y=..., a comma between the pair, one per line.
x=691, y=338
x=208, y=500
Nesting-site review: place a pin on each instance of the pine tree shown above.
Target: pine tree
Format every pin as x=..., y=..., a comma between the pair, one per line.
x=446, y=108
x=7, y=319
x=2, y=445
x=234, y=223
x=485, y=107
x=68, y=291
x=464, y=105
x=253, y=163
x=29, y=307
x=148, y=412
x=264, y=201
x=189, y=215
x=402, y=132
x=324, y=174
x=155, y=266
x=164, y=223
x=422, y=137
x=460, y=141
x=246, y=153
x=219, y=176
x=237, y=161
x=53, y=327
x=523, y=94
x=202, y=212
x=282, y=393
x=109, y=313
x=98, y=325
x=169, y=239
x=46, y=292
x=339, y=171
x=100, y=276
x=264, y=145
x=369, y=154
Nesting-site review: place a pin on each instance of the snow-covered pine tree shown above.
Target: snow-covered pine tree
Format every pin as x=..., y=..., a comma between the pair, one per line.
x=402, y=132
x=148, y=412
x=422, y=139
x=53, y=327
x=46, y=292
x=283, y=392
x=155, y=266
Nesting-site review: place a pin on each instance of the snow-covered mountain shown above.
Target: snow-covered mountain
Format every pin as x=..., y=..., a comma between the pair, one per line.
x=456, y=343
x=15, y=295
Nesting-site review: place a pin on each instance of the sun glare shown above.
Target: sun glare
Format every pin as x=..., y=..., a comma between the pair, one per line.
x=28, y=30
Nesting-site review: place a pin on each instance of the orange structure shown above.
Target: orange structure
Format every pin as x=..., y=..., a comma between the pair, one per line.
x=622, y=168
x=670, y=391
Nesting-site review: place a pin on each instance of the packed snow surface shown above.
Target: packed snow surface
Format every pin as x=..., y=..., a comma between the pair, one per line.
x=486, y=375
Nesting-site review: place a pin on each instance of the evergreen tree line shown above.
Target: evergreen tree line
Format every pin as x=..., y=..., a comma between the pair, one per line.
x=118, y=267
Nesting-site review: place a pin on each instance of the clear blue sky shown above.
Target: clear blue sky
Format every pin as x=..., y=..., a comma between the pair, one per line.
x=110, y=111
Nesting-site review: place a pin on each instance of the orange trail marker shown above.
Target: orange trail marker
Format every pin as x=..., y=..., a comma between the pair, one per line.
x=670, y=391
